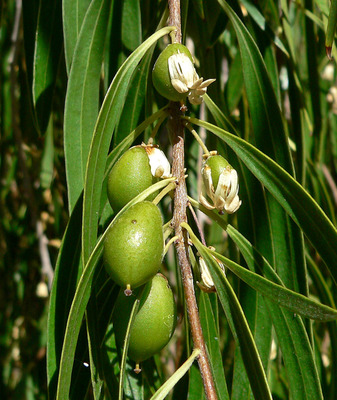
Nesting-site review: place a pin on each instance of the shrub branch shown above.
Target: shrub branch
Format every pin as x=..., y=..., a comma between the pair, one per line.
x=176, y=129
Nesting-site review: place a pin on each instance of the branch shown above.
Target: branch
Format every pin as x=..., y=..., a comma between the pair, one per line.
x=176, y=129
x=174, y=18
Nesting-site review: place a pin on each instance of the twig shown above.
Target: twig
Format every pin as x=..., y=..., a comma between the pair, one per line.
x=196, y=137
x=176, y=129
x=174, y=18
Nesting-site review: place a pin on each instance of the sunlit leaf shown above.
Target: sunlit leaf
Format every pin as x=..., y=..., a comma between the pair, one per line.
x=106, y=122
x=169, y=384
x=47, y=55
x=82, y=99
x=237, y=322
x=296, y=201
x=82, y=296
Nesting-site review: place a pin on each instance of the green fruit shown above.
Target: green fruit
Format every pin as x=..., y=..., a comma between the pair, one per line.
x=154, y=323
x=129, y=177
x=134, y=246
x=217, y=164
x=161, y=76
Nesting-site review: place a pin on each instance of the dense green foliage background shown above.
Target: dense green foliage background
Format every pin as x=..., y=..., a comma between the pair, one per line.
x=68, y=105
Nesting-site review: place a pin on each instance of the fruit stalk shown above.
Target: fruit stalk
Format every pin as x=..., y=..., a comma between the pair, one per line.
x=176, y=129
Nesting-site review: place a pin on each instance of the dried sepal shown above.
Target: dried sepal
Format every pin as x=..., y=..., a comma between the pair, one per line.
x=207, y=284
x=220, y=185
x=159, y=164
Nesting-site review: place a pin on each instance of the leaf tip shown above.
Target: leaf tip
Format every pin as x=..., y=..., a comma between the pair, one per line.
x=328, y=50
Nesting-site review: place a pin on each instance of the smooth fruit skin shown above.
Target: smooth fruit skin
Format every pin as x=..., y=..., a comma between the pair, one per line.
x=129, y=177
x=134, y=245
x=217, y=164
x=154, y=323
x=161, y=76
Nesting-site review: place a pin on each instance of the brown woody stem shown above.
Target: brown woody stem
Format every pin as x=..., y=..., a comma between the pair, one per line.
x=176, y=129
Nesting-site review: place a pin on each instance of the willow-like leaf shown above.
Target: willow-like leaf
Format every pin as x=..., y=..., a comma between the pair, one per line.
x=256, y=15
x=73, y=14
x=82, y=98
x=133, y=314
x=106, y=123
x=211, y=335
x=64, y=286
x=237, y=322
x=48, y=46
x=164, y=390
x=298, y=355
x=294, y=301
x=296, y=201
x=82, y=296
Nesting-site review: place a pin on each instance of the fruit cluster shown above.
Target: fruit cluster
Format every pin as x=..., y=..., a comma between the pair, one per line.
x=134, y=243
x=133, y=253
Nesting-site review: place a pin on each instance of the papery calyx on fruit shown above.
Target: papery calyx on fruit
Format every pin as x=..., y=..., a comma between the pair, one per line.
x=225, y=195
x=207, y=284
x=185, y=79
x=159, y=164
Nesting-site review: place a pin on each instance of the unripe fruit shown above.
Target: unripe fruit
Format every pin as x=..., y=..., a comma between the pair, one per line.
x=161, y=76
x=217, y=164
x=134, y=246
x=154, y=323
x=129, y=177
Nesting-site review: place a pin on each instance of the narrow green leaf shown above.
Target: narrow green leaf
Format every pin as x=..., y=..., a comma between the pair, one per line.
x=133, y=387
x=237, y=322
x=164, y=390
x=219, y=117
x=320, y=190
x=296, y=201
x=295, y=345
x=48, y=48
x=64, y=286
x=126, y=347
x=97, y=318
x=262, y=23
x=82, y=99
x=276, y=292
x=292, y=336
x=195, y=385
x=73, y=15
x=82, y=296
x=135, y=100
x=325, y=293
x=95, y=362
x=211, y=335
x=47, y=162
x=266, y=115
x=106, y=123
x=300, y=368
x=331, y=28
x=75, y=318
x=131, y=24
x=271, y=138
